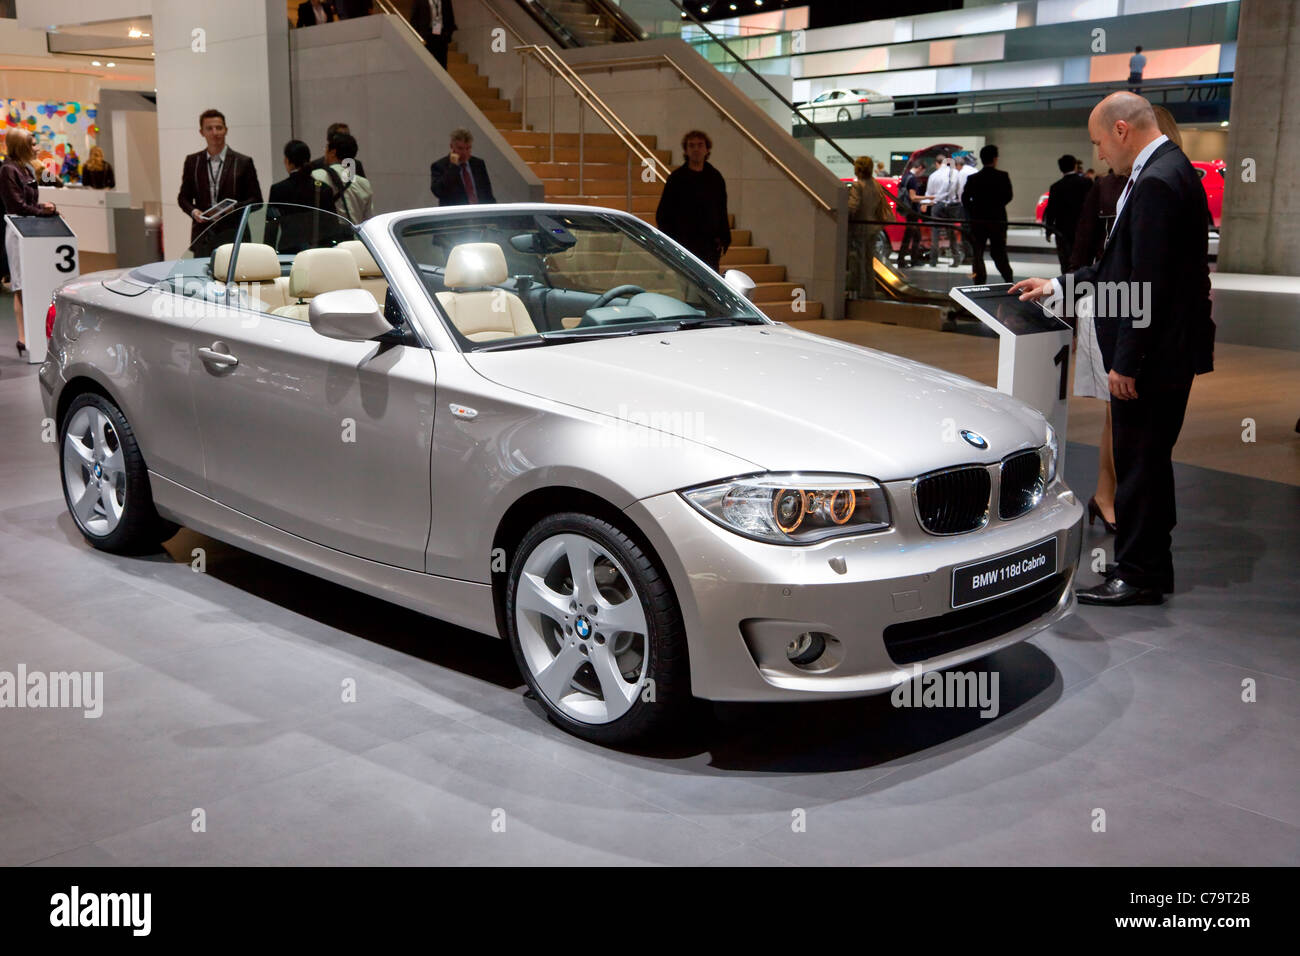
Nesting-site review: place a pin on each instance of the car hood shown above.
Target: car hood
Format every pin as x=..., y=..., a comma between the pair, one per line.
x=784, y=399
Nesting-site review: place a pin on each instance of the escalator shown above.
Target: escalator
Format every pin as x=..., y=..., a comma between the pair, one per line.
x=579, y=23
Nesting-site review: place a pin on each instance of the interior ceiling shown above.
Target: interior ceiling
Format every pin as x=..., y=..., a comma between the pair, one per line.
x=107, y=39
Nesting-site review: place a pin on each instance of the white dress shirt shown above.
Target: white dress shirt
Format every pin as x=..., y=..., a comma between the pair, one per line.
x=963, y=174
x=944, y=185
x=435, y=17
x=216, y=164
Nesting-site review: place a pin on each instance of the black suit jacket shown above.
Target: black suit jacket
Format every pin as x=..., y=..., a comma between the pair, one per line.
x=444, y=180
x=1064, y=203
x=1159, y=238
x=238, y=182
x=422, y=19
x=986, y=196
x=307, y=17
x=293, y=230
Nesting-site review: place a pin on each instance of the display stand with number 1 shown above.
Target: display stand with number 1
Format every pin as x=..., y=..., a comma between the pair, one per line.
x=1033, y=351
x=47, y=258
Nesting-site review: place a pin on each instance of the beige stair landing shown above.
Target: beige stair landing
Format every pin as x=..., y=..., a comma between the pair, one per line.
x=605, y=179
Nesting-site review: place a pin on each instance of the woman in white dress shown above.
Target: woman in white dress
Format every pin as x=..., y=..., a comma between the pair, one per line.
x=1092, y=381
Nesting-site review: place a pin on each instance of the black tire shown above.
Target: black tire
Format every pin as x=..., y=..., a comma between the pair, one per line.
x=884, y=248
x=842, y=116
x=140, y=530
x=666, y=661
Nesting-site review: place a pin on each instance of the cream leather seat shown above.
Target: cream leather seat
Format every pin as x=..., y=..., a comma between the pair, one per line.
x=482, y=314
x=372, y=279
x=259, y=267
x=315, y=271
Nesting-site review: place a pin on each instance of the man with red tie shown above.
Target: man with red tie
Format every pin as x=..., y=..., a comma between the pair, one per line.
x=459, y=179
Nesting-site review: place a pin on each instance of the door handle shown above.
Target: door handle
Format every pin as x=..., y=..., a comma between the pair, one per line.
x=219, y=359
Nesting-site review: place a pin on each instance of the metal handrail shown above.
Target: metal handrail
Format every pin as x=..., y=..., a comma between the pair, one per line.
x=391, y=9
x=758, y=76
x=628, y=28
x=970, y=99
x=660, y=58
x=551, y=60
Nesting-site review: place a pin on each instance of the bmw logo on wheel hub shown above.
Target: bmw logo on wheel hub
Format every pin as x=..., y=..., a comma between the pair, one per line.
x=583, y=627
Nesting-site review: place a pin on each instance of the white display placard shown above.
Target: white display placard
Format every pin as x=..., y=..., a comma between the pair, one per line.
x=48, y=256
x=1033, y=350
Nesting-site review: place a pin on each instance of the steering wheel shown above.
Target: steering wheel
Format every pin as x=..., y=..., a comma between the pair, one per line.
x=607, y=297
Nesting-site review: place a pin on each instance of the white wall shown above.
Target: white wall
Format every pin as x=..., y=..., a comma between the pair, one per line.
x=238, y=64
x=45, y=13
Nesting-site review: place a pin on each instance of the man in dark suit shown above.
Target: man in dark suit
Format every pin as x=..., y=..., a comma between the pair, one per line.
x=1151, y=290
x=292, y=229
x=312, y=12
x=985, y=197
x=435, y=21
x=214, y=174
x=1064, y=204
x=460, y=179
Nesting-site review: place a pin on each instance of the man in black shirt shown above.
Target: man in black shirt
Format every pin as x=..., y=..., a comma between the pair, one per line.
x=321, y=163
x=289, y=229
x=1064, y=204
x=693, y=207
x=985, y=198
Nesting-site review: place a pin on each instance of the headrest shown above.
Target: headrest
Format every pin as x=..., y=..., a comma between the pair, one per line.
x=221, y=260
x=473, y=265
x=322, y=270
x=256, y=263
x=365, y=261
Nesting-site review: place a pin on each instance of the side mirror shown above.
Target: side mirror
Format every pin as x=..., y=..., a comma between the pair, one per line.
x=348, y=314
x=739, y=282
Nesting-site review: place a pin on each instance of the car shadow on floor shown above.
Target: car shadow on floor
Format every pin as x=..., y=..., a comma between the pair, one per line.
x=800, y=737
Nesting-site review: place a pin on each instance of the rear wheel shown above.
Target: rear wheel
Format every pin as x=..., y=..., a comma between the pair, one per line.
x=842, y=115
x=105, y=482
x=596, y=631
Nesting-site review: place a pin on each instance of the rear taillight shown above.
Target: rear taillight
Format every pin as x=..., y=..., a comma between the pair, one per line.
x=49, y=320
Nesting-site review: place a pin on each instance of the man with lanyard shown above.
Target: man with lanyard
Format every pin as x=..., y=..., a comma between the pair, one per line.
x=214, y=174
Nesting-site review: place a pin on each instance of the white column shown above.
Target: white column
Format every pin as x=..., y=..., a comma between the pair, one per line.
x=232, y=56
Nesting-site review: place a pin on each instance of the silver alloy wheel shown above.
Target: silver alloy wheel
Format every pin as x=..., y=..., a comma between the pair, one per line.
x=582, y=628
x=94, y=471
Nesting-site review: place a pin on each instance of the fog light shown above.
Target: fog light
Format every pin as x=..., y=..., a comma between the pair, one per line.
x=806, y=648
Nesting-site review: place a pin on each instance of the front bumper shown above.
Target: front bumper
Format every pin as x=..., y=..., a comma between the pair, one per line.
x=743, y=600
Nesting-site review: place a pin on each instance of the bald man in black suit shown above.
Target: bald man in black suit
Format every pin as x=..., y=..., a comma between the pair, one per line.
x=1152, y=313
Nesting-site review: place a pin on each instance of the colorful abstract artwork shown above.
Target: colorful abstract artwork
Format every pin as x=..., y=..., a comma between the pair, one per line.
x=64, y=132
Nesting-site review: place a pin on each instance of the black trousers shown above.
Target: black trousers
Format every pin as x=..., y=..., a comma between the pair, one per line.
x=1143, y=432
x=437, y=45
x=1064, y=246
x=911, y=244
x=996, y=239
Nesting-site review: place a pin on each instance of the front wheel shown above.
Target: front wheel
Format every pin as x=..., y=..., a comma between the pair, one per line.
x=596, y=631
x=105, y=482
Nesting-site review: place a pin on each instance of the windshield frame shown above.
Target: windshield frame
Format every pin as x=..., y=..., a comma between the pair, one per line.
x=696, y=271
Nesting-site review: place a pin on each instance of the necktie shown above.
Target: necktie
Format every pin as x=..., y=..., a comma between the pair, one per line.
x=468, y=180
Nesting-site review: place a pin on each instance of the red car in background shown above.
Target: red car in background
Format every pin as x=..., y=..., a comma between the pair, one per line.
x=1212, y=176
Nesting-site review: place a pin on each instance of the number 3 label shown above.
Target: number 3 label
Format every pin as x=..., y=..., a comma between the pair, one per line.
x=68, y=262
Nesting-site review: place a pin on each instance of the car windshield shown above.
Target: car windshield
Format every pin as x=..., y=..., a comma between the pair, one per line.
x=513, y=279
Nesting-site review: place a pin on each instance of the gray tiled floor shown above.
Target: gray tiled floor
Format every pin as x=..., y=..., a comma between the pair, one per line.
x=223, y=693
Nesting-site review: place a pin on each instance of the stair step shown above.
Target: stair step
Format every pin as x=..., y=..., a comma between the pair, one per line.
x=764, y=272
x=731, y=220
x=541, y=153
x=742, y=237
x=521, y=138
x=774, y=291
x=489, y=104
x=642, y=206
x=455, y=56
x=504, y=120
x=617, y=171
x=601, y=187
x=784, y=311
x=743, y=255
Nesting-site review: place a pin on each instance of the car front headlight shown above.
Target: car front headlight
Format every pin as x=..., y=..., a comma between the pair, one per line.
x=1050, y=454
x=794, y=508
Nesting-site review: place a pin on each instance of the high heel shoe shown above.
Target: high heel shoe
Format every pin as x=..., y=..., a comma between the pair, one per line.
x=22, y=348
x=1094, y=513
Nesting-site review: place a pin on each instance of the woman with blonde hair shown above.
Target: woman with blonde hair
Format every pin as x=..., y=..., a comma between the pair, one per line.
x=868, y=201
x=21, y=197
x=97, y=173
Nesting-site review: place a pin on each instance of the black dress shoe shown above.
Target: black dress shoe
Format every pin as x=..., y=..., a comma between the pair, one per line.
x=1110, y=570
x=1116, y=592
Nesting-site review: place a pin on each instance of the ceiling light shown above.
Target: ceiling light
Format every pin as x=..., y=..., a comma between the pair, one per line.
x=95, y=63
x=134, y=33
x=1224, y=123
x=110, y=63
x=144, y=34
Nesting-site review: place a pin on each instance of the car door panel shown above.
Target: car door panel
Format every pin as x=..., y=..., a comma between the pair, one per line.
x=323, y=438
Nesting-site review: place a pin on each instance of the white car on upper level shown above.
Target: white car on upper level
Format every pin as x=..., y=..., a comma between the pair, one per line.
x=843, y=105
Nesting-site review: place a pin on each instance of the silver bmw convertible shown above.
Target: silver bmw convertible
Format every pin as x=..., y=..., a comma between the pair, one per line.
x=555, y=425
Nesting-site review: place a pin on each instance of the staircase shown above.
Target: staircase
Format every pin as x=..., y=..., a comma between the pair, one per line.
x=604, y=182
x=585, y=25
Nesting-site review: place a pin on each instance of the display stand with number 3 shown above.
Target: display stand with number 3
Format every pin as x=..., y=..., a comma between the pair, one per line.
x=47, y=258
x=1033, y=350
